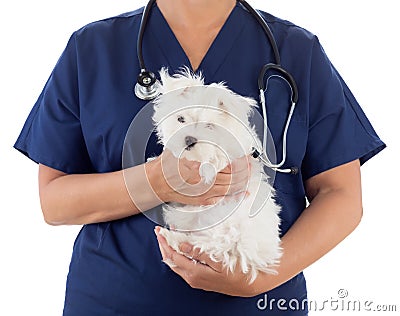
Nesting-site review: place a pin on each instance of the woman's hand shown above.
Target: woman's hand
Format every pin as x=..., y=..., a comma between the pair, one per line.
x=334, y=194
x=201, y=272
x=178, y=180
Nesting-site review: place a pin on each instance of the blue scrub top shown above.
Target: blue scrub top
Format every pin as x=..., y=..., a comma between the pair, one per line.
x=80, y=120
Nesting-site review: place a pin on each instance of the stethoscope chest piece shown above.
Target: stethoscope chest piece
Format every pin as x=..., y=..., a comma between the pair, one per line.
x=147, y=86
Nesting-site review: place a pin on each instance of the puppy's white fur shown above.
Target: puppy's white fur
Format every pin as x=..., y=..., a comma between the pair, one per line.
x=233, y=232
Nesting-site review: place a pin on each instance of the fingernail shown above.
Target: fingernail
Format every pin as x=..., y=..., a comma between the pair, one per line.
x=186, y=248
x=169, y=263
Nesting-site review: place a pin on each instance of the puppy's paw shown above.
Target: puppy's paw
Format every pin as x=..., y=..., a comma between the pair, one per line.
x=207, y=172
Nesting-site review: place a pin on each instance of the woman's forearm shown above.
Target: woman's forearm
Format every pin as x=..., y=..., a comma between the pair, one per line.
x=332, y=215
x=319, y=229
x=68, y=199
x=90, y=198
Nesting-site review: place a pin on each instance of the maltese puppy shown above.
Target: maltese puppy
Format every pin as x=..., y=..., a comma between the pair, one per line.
x=210, y=124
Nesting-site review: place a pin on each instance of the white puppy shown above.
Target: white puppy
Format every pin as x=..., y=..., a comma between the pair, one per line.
x=210, y=124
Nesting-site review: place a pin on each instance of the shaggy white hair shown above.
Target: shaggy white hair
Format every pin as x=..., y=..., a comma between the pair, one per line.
x=210, y=124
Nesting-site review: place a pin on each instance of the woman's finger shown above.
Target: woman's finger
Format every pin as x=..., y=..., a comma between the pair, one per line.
x=232, y=178
x=237, y=165
x=238, y=170
x=201, y=257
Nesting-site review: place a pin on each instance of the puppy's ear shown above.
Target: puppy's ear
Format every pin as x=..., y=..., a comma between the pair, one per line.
x=249, y=103
x=221, y=105
x=164, y=74
x=166, y=80
x=184, y=78
x=233, y=104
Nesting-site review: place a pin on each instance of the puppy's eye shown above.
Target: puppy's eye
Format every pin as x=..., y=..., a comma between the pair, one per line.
x=210, y=126
x=181, y=119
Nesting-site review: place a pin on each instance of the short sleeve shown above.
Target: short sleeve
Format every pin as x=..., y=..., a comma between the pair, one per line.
x=339, y=131
x=52, y=133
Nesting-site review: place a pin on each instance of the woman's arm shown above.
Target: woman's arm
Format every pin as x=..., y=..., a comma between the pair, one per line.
x=68, y=199
x=89, y=198
x=334, y=212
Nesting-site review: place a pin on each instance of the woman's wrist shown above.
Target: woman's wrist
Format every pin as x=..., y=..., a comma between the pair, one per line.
x=142, y=183
x=156, y=181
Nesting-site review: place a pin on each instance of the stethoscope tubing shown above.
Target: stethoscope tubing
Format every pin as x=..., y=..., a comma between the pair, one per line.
x=146, y=87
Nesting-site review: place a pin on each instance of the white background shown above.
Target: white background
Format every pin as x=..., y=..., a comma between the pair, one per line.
x=360, y=37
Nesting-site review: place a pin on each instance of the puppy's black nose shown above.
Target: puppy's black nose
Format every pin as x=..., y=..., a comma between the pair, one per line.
x=190, y=141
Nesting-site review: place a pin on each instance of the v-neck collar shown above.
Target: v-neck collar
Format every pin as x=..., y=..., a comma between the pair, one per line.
x=176, y=57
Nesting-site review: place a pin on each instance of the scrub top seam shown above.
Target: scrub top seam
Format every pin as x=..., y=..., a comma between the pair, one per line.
x=376, y=146
x=161, y=48
x=21, y=144
x=228, y=52
x=122, y=16
x=38, y=158
x=272, y=19
x=357, y=115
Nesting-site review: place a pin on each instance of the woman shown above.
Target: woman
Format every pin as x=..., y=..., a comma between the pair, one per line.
x=76, y=132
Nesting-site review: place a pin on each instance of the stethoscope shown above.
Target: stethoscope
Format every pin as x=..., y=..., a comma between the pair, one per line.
x=147, y=86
